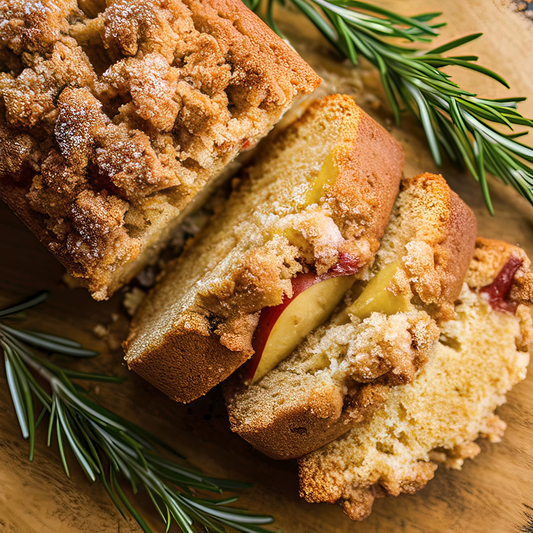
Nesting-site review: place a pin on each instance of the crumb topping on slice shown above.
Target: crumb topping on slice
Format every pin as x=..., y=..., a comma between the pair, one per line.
x=111, y=105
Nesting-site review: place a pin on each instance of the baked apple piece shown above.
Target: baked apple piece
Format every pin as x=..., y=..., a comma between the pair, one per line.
x=379, y=297
x=282, y=327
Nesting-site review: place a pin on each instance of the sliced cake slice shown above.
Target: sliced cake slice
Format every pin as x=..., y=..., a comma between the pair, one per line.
x=313, y=206
x=437, y=418
x=115, y=116
x=378, y=338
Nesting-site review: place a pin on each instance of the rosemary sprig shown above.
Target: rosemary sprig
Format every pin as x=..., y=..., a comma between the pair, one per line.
x=107, y=446
x=455, y=121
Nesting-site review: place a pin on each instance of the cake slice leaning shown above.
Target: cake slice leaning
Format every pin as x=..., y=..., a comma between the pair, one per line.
x=315, y=204
x=437, y=418
x=377, y=339
x=115, y=117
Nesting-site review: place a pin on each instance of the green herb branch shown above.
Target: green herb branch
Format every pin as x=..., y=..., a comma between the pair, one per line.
x=455, y=121
x=105, y=445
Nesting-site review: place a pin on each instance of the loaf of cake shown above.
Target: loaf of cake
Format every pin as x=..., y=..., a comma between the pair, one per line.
x=378, y=338
x=115, y=115
x=436, y=418
x=315, y=204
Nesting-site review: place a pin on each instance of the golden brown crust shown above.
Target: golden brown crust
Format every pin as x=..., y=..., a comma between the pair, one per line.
x=132, y=110
x=455, y=251
x=172, y=360
x=261, y=275
x=370, y=163
x=303, y=426
x=368, y=172
x=438, y=262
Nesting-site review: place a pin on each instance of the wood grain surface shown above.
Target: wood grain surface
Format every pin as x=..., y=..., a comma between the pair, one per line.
x=490, y=492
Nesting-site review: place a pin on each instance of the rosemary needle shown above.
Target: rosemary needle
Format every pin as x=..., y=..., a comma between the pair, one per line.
x=108, y=447
x=456, y=122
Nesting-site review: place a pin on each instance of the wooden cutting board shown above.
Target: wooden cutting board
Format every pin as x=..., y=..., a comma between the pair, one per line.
x=488, y=495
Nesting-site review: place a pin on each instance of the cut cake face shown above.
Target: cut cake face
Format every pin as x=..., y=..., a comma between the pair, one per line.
x=480, y=356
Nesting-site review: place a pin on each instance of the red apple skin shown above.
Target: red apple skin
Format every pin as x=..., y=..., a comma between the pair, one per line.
x=498, y=290
x=346, y=266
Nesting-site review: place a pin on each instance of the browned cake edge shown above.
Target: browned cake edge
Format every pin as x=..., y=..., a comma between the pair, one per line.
x=302, y=427
x=455, y=248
